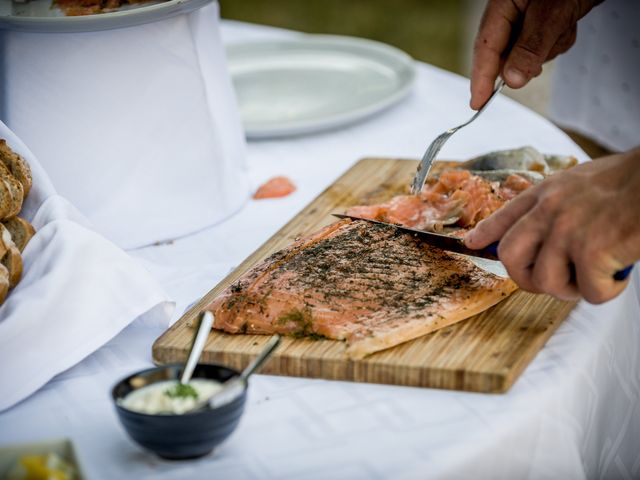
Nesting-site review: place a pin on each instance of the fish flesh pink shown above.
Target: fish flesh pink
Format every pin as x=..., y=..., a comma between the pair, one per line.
x=276, y=187
x=456, y=198
x=371, y=285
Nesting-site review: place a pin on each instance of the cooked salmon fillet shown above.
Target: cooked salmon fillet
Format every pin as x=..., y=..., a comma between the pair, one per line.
x=370, y=285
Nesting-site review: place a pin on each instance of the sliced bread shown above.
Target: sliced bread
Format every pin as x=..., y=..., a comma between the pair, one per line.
x=5, y=241
x=21, y=231
x=12, y=260
x=4, y=283
x=6, y=200
x=15, y=188
x=17, y=165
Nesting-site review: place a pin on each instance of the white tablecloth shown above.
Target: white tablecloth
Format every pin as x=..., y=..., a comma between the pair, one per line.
x=574, y=413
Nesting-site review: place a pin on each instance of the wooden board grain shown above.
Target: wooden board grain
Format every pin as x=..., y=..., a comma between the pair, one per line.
x=484, y=353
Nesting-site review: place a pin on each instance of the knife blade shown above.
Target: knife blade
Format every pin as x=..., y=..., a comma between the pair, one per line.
x=444, y=242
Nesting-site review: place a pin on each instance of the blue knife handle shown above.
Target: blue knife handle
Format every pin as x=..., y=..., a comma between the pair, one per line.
x=623, y=274
x=619, y=276
x=493, y=248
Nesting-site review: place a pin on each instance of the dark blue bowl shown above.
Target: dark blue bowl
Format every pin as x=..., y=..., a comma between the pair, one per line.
x=177, y=437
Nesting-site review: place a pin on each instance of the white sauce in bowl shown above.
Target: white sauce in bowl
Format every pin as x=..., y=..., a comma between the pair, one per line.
x=153, y=399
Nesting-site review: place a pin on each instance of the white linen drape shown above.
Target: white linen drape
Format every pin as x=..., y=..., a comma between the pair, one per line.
x=137, y=127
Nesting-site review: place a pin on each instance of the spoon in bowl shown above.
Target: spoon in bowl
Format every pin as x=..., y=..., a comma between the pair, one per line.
x=206, y=320
x=234, y=387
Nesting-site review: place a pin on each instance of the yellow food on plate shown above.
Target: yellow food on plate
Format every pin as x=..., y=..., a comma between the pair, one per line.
x=42, y=467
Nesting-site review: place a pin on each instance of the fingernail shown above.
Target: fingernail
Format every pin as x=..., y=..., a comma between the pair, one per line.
x=515, y=78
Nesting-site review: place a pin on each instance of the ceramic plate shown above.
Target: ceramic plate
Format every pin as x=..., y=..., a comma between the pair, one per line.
x=315, y=82
x=39, y=16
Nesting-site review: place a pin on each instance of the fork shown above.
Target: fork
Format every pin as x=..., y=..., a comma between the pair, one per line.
x=436, y=145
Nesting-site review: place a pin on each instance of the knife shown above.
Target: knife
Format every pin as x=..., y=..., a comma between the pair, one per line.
x=455, y=244
x=444, y=242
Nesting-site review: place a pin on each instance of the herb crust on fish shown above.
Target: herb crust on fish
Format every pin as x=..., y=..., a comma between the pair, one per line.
x=371, y=285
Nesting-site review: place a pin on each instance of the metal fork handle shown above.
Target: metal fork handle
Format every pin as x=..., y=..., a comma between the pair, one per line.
x=427, y=159
x=496, y=90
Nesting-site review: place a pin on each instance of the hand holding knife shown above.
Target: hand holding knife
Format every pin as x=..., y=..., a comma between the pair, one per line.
x=457, y=245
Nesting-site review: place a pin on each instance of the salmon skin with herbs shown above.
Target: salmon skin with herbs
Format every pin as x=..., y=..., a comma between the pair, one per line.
x=370, y=285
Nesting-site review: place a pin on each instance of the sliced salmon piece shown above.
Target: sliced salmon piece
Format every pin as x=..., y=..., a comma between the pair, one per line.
x=450, y=180
x=370, y=285
x=482, y=200
x=276, y=187
x=406, y=209
x=513, y=185
x=412, y=211
x=456, y=198
x=374, y=212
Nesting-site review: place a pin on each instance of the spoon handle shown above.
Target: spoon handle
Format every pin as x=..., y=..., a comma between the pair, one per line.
x=206, y=320
x=259, y=360
x=234, y=387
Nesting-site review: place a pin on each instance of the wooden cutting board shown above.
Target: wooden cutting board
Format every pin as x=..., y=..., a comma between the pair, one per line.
x=484, y=353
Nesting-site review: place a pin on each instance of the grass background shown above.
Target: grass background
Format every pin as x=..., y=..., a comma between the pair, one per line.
x=431, y=31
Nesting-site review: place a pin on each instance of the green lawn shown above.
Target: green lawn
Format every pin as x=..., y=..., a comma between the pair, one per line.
x=431, y=31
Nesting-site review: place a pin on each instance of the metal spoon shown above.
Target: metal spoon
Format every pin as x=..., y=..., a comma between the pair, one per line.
x=234, y=387
x=206, y=320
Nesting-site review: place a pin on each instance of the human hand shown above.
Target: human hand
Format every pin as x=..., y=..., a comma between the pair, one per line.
x=568, y=235
x=517, y=36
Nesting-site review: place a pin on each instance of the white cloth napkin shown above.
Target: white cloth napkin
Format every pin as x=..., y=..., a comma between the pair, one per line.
x=137, y=127
x=77, y=291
